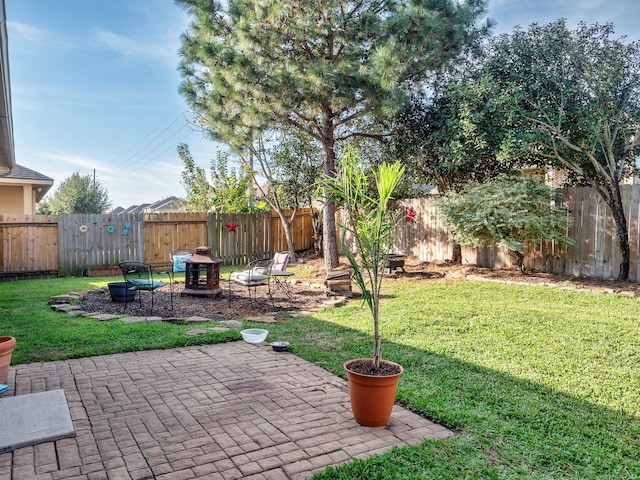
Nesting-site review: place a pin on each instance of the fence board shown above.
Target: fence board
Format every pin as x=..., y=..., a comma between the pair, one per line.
x=595, y=253
x=301, y=230
x=28, y=243
x=250, y=240
x=97, y=241
x=40, y=243
x=168, y=232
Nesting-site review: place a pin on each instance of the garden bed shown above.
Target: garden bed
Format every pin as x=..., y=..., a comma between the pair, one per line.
x=303, y=297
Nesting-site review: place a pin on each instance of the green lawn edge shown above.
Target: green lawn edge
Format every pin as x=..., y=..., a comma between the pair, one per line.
x=538, y=382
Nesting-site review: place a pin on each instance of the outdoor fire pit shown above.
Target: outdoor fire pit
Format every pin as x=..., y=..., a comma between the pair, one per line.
x=395, y=261
x=202, y=274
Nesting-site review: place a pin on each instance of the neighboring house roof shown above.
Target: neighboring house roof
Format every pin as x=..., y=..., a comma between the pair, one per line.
x=169, y=204
x=136, y=208
x=7, y=150
x=20, y=175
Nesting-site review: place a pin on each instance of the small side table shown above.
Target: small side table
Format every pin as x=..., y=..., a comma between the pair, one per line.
x=281, y=281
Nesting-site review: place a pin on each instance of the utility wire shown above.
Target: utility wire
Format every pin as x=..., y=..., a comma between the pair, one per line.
x=129, y=159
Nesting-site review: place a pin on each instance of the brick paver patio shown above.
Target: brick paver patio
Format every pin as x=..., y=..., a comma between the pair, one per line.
x=223, y=411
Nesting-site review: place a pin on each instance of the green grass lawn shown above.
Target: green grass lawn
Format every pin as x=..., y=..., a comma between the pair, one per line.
x=539, y=382
x=43, y=335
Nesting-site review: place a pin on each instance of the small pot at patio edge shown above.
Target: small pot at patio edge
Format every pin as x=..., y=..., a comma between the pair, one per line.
x=7, y=344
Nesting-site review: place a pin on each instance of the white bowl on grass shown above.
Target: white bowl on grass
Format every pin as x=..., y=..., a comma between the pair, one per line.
x=254, y=335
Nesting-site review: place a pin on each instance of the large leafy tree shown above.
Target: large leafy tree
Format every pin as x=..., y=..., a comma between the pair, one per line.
x=570, y=99
x=316, y=65
x=446, y=142
x=229, y=190
x=77, y=194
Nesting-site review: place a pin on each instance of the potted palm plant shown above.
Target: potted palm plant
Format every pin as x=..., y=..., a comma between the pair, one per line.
x=371, y=224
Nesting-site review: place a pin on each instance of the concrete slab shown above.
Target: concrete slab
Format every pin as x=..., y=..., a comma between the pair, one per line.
x=34, y=418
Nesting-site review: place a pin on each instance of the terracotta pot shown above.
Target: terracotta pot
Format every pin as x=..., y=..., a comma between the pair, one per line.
x=372, y=396
x=7, y=344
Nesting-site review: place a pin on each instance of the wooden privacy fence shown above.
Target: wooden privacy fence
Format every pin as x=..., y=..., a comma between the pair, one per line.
x=596, y=252
x=91, y=241
x=69, y=245
x=240, y=238
x=168, y=232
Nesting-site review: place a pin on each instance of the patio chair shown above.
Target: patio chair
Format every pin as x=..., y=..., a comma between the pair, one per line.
x=251, y=278
x=263, y=271
x=179, y=262
x=276, y=269
x=140, y=275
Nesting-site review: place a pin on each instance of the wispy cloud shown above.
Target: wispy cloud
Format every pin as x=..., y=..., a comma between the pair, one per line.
x=160, y=50
x=123, y=189
x=67, y=163
x=29, y=35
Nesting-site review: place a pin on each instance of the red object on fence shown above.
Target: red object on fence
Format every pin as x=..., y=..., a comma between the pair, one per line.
x=411, y=215
x=231, y=227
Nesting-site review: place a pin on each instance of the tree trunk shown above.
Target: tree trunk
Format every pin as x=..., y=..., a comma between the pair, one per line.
x=329, y=233
x=617, y=210
x=518, y=259
x=456, y=254
x=316, y=222
x=613, y=198
x=286, y=225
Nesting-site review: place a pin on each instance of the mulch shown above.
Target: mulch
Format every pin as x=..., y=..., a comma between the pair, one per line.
x=308, y=294
x=222, y=307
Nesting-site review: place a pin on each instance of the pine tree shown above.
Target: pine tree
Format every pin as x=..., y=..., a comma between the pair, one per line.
x=316, y=65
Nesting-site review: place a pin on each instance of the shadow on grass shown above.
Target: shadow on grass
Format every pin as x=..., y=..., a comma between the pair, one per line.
x=508, y=427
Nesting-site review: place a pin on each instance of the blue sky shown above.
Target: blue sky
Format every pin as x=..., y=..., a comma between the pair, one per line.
x=95, y=85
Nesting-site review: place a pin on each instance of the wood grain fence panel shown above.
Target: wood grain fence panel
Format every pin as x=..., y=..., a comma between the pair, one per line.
x=301, y=230
x=168, y=232
x=565, y=265
x=599, y=219
x=589, y=232
x=279, y=237
x=251, y=239
x=28, y=243
x=578, y=250
x=575, y=209
x=633, y=227
x=534, y=254
x=97, y=241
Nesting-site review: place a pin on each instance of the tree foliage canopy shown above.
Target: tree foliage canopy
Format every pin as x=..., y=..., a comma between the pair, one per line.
x=250, y=63
x=565, y=99
x=77, y=194
x=508, y=212
x=292, y=166
x=574, y=97
x=445, y=141
x=228, y=191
